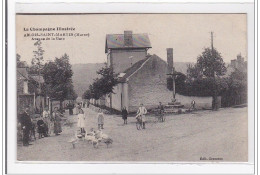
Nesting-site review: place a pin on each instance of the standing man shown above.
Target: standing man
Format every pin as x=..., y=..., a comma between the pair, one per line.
x=26, y=125
x=142, y=111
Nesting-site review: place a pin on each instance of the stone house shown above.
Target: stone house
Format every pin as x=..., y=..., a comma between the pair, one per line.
x=144, y=82
x=28, y=94
x=24, y=98
x=41, y=101
x=142, y=77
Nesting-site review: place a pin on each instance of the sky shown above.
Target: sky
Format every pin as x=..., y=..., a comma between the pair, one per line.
x=187, y=34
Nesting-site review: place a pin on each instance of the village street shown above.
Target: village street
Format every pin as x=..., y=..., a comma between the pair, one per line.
x=185, y=137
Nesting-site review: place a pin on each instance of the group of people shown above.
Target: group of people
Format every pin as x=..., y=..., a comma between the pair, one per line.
x=82, y=119
x=141, y=112
x=52, y=122
x=45, y=124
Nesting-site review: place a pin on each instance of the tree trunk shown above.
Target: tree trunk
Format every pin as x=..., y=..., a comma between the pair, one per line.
x=51, y=106
x=61, y=107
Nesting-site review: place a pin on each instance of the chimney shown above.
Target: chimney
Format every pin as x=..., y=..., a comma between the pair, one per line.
x=169, y=60
x=128, y=38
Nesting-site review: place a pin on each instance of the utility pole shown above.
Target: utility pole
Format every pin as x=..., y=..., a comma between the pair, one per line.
x=214, y=105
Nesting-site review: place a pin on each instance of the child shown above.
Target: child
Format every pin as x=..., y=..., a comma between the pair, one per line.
x=142, y=111
x=81, y=120
x=124, y=115
x=100, y=119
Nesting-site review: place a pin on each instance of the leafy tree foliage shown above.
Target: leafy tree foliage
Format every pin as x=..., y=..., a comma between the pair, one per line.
x=87, y=94
x=200, y=87
x=200, y=79
x=37, y=61
x=201, y=82
x=58, y=79
x=103, y=85
x=236, y=90
x=210, y=62
x=209, y=66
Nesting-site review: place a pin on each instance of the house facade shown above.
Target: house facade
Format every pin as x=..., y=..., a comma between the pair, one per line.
x=124, y=50
x=24, y=98
x=32, y=96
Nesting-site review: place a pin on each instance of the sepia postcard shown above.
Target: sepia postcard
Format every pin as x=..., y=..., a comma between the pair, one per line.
x=132, y=87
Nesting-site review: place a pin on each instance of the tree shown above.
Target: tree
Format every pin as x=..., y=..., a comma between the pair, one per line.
x=20, y=63
x=102, y=85
x=58, y=78
x=37, y=61
x=71, y=95
x=87, y=94
x=236, y=91
x=210, y=65
x=107, y=81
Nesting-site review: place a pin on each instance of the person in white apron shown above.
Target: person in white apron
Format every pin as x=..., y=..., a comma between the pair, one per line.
x=47, y=120
x=142, y=111
x=81, y=120
x=100, y=117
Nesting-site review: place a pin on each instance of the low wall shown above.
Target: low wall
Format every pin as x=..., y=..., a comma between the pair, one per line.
x=200, y=102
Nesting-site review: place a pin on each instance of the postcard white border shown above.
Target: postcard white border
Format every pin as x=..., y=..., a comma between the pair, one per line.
x=151, y=168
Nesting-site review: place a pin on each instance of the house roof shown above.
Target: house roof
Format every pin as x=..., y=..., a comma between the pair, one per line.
x=22, y=73
x=22, y=64
x=37, y=78
x=128, y=72
x=116, y=41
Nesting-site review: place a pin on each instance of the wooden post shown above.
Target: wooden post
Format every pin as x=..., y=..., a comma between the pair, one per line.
x=173, y=83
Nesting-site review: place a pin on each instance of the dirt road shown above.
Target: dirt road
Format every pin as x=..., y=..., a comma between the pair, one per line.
x=203, y=135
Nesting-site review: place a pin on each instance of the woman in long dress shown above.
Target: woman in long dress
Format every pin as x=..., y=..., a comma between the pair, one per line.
x=47, y=120
x=100, y=117
x=57, y=121
x=81, y=120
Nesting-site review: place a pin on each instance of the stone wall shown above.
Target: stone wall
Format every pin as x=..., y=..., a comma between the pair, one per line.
x=201, y=102
x=148, y=85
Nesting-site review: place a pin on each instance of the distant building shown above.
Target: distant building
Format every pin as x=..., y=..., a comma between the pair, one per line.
x=239, y=63
x=236, y=64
